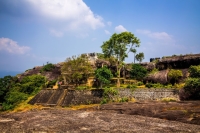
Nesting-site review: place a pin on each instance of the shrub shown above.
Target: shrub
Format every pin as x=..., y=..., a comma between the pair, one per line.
x=140, y=83
x=47, y=67
x=192, y=88
x=13, y=98
x=169, y=99
x=194, y=71
x=138, y=72
x=175, y=75
x=31, y=84
x=123, y=99
x=104, y=101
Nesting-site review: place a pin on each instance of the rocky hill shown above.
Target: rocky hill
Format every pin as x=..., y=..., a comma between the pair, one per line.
x=182, y=62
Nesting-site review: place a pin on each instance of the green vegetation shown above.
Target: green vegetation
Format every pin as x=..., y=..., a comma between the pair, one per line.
x=118, y=46
x=139, y=57
x=194, y=71
x=16, y=91
x=192, y=84
x=175, y=75
x=103, y=75
x=47, y=67
x=108, y=94
x=138, y=72
x=77, y=69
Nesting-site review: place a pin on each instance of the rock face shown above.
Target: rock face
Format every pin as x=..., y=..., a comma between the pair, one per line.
x=113, y=118
x=50, y=75
x=178, y=62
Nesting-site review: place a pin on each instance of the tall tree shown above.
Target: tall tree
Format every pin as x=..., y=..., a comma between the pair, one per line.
x=139, y=57
x=118, y=46
x=76, y=69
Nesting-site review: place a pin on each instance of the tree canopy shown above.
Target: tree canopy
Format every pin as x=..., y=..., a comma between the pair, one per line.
x=139, y=57
x=138, y=72
x=103, y=75
x=77, y=69
x=118, y=46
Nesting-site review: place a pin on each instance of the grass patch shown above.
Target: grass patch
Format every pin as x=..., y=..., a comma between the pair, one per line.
x=24, y=106
x=78, y=107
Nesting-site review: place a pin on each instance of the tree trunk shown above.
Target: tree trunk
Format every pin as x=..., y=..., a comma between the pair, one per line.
x=101, y=85
x=118, y=77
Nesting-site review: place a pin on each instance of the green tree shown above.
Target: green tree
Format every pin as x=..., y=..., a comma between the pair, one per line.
x=133, y=50
x=194, y=71
x=118, y=46
x=139, y=57
x=5, y=85
x=175, y=74
x=103, y=75
x=138, y=72
x=192, y=88
x=77, y=69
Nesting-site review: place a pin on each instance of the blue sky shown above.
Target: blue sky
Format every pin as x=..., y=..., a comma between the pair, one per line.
x=33, y=32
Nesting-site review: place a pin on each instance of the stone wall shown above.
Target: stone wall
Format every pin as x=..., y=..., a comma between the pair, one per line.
x=148, y=94
x=64, y=97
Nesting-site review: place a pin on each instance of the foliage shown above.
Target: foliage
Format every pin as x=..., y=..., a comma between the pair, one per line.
x=133, y=50
x=5, y=85
x=124, y=99
x=13, y=98
x=139, y=57
x=194, y=71
x=47, y=67
x=175, y=74
x=104, y=101
x=118, y=46
x=103, y=75
x=192, y=87
x=31, y=84
x=169, y=99
x=20, y=91
x=155, y=70
x=140, y=83
x=138, y=72
x=77, y=69
x=131, y=86
x=50, y=84
x=155, y=85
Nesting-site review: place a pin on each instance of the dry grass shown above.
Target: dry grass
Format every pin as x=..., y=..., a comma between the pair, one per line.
x=24, y=106
x=77, y=107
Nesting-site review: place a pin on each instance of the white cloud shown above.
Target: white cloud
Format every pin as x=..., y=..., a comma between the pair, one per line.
x=74, y=12
x=11, y=46
x=155, y=35
x=107, y=32
x=56, y=33
x=109, y=23
x=120, y=29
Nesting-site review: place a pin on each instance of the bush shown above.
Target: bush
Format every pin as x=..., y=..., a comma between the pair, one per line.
x=123, y=99
x=194, y=71
x=155, y=85
x=192, y=88
x=31, y=84
x=47, y=67
x=13, y=98
x=140, y=83
x=138, y=72
x=175, y=75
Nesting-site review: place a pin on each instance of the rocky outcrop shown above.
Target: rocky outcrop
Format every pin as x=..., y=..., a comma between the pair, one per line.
x=50, y=75
x=178, y=62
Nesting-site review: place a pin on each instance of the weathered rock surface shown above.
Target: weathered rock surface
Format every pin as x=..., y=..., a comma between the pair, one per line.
x=123, y=117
